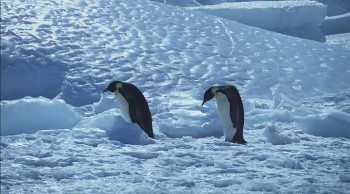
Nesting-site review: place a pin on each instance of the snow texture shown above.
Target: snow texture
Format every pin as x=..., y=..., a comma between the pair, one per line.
x=59, y=134
x=296, y=18
x=300, y=18
x=339, y=39
x=336, y=24
x=336, y=7
x=29, y=115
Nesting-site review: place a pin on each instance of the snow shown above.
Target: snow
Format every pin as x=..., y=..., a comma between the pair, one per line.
x=333, y=124
x=28, y=115
x=116, y=128
x=296, y=18
x=336, y=7
x=299, y=18
x=339, y=39
x=60, y=134
x=336, y=24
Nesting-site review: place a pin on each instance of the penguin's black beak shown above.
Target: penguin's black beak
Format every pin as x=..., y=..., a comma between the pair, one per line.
x=106, y=90
x=208, y=95
x=204, y=101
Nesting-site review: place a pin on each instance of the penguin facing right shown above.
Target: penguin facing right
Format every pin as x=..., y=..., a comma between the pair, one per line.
x=231, y=111
x=133, y=105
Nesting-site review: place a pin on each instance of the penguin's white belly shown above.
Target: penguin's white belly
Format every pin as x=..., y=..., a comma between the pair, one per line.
x=123, y=106
x=224, y=111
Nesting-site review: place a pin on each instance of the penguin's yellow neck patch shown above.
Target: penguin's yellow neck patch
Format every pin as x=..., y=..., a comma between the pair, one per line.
x=118, y=85
x=214, y=90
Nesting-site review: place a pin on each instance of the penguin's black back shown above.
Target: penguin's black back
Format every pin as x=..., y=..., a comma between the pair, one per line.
x=236, y=111
x=138, y=107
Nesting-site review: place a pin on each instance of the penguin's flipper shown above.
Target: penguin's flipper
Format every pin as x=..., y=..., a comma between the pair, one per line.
x=145, y=121
x=142, y=118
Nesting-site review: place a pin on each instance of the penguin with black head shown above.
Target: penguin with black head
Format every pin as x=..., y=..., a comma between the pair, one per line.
x=231, y=111
x=133, y=105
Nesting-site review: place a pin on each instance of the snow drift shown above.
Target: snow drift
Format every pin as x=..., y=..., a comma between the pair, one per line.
x=296, y=18
x=333, y=124
x=336, y=24
x=29, y=115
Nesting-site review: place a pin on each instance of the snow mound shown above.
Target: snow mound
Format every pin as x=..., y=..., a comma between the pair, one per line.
x=105, y=103
x=336, y=24
x=183, y=115
x=29, y=115
x=26, y=72
x=339, y=39
x=345, y=178
x=116, y=128
x=108, y=118
x=336, y=7
x=332, y=124
x=183, y=3
x=278, y=136
x=169, y=53
x=128, y=133
x=295, y=18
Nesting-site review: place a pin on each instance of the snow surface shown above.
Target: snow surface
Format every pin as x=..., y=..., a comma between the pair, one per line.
x=336, y=7
x=336, y=24
x=299, y=18
x=339, y=39
x=59, y=134
x=296, y=18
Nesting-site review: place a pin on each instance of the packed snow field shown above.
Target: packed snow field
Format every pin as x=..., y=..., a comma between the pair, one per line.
x=59, y=134
x=296, y=18
x=320, y=20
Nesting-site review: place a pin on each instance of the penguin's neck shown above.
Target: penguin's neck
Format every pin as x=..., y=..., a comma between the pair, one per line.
x=123, y=106
x=224, y=111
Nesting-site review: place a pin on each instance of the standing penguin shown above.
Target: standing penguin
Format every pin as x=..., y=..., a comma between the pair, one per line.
x=231, y=111
x=133, y=105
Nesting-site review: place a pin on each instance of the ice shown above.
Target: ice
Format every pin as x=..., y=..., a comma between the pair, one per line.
x=116, y=127
x=332, y=124
x=278, y=136
x=29, y=115
x=263, y=13
x=296, y=18
x=60, y=134
x=105, y=103
x=336, y=24
x=129, y=133
x=200, y=121
x=336, y=7
x=339, y=39
x=345, y=178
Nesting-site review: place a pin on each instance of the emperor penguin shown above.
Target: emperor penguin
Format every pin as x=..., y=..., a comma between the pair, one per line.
x=133, y=105
x=231, y=111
